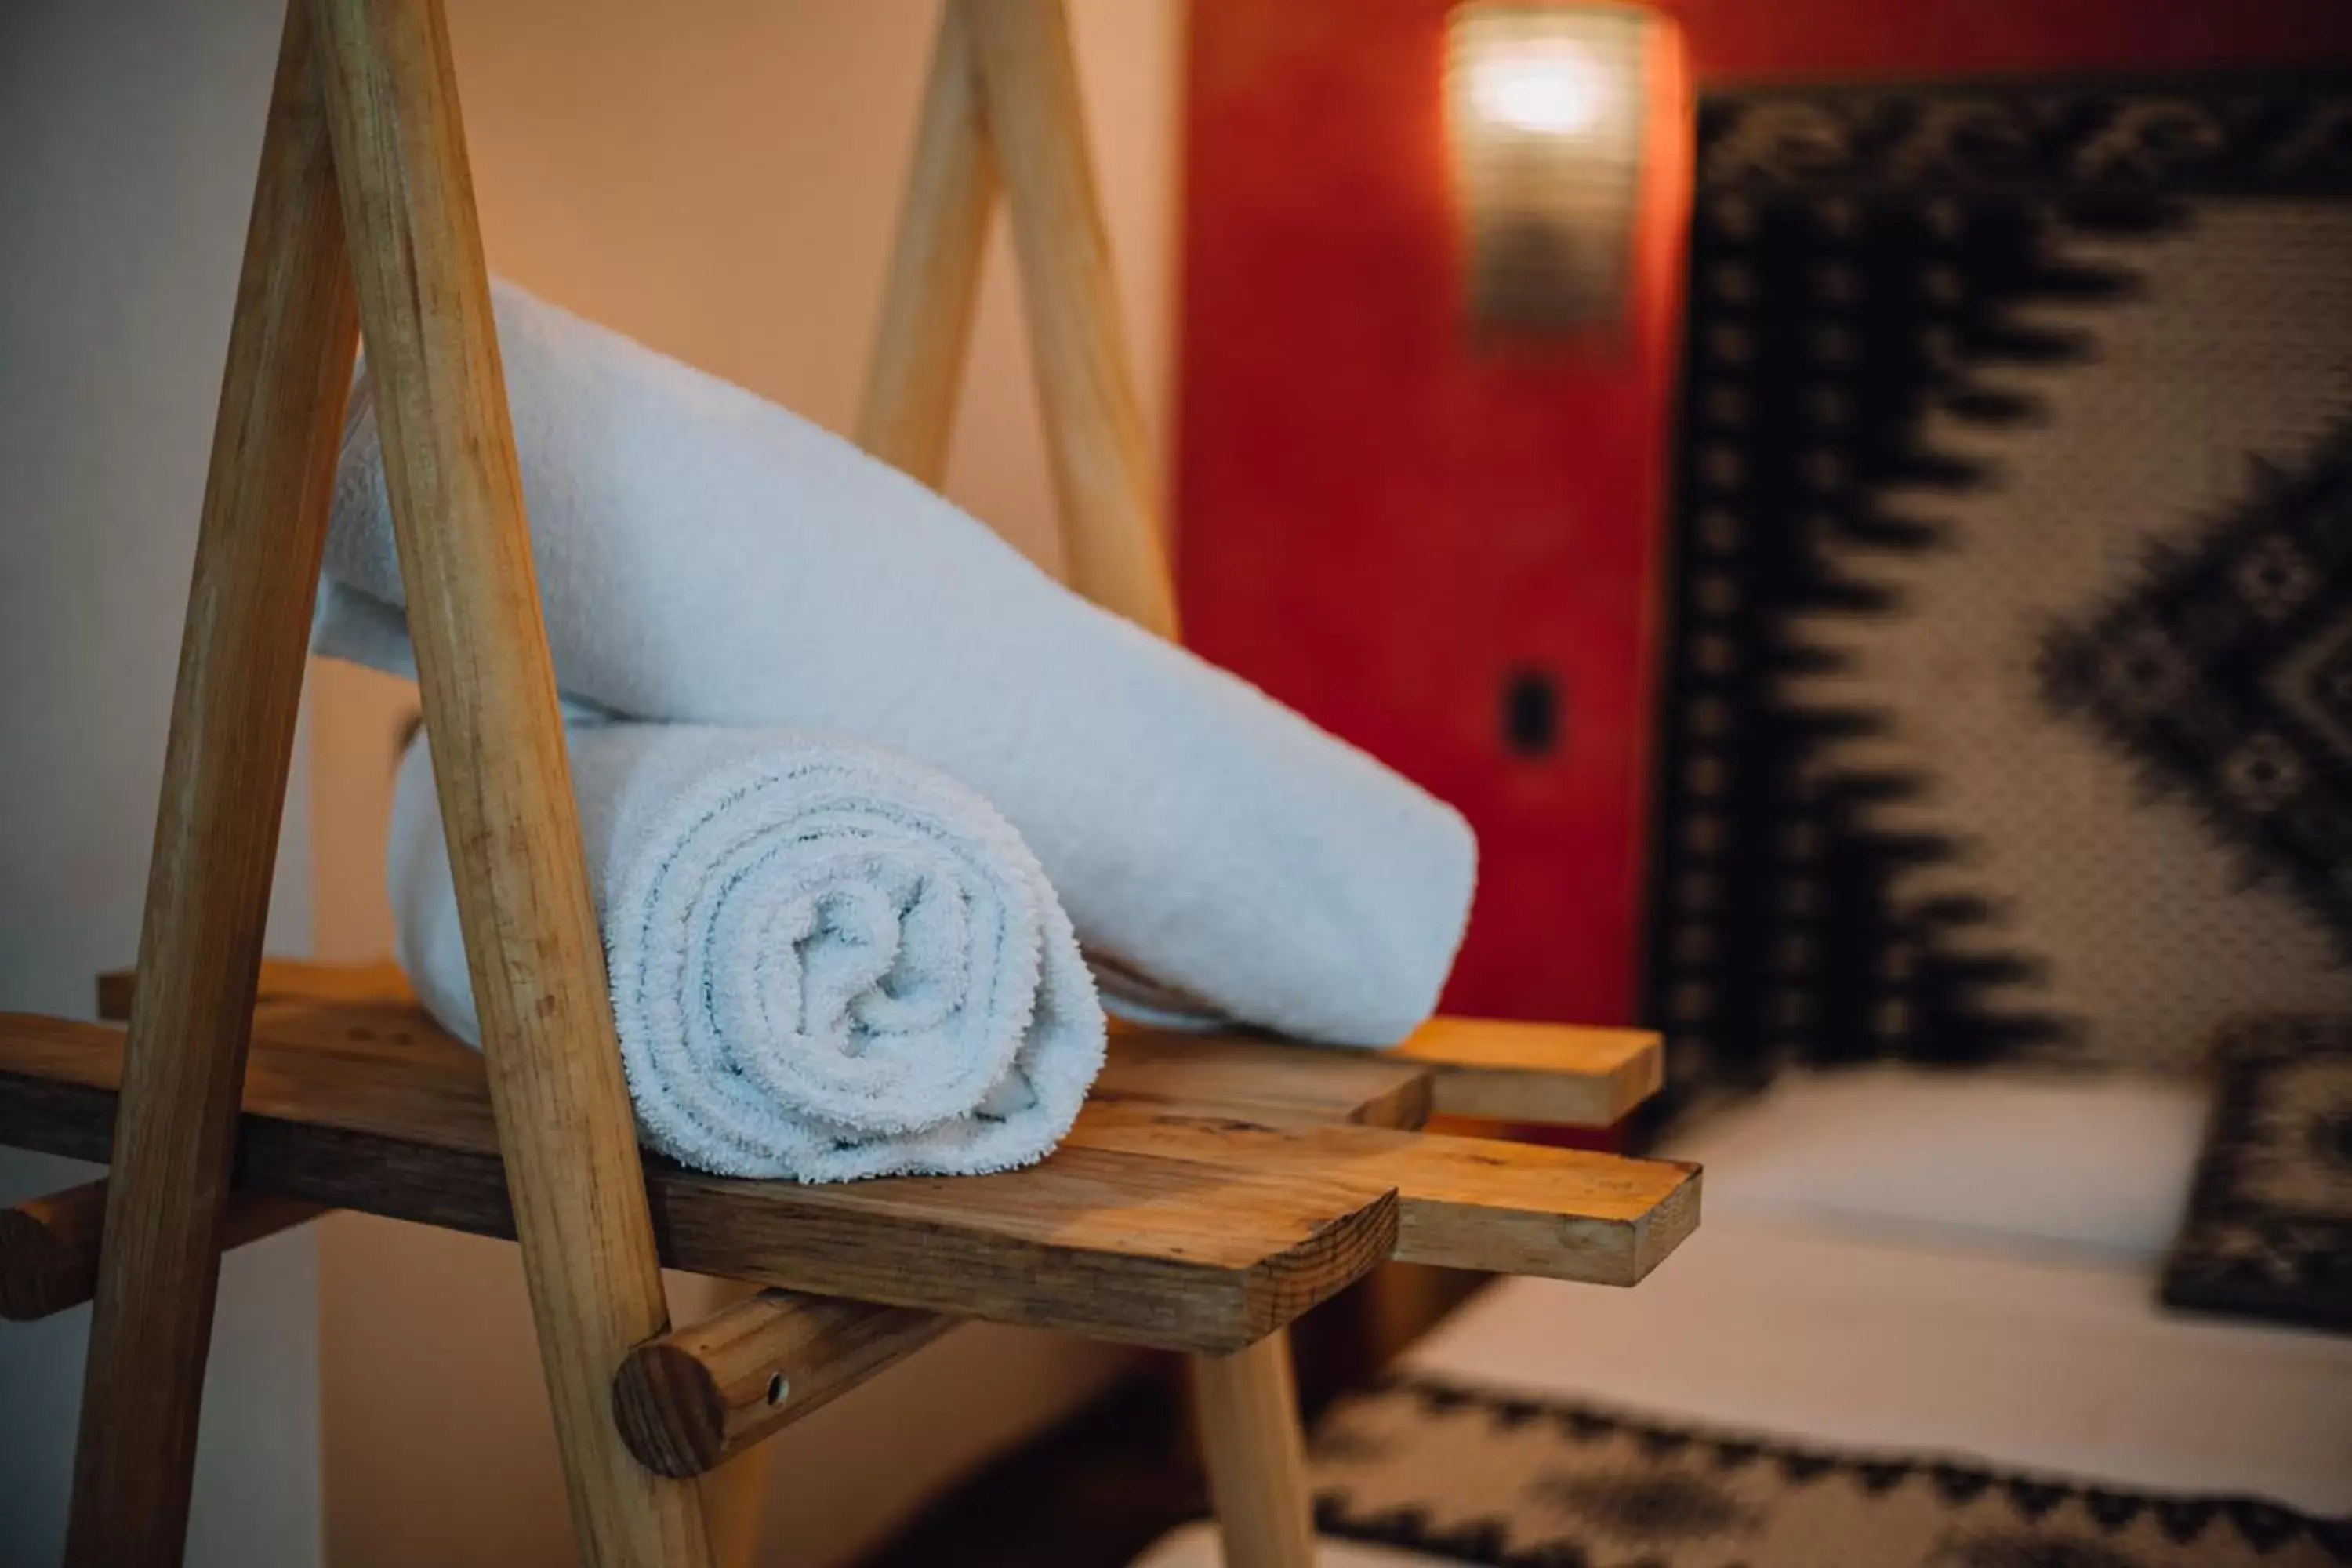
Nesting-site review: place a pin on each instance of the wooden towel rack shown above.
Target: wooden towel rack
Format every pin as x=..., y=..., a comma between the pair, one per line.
x=1214, y=1189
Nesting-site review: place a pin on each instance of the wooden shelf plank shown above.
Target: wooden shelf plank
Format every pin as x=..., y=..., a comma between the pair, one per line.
x=281, y=979
x=1137, y=1248
x=1266, y=1078
x=1548, y=1074
x=1552, y=1074
x=1466, y=1203
x=1247, y=1078
x=1238, y=1103
x=1177, y=1123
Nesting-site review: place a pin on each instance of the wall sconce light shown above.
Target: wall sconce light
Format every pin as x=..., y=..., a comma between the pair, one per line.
x=1545, y=108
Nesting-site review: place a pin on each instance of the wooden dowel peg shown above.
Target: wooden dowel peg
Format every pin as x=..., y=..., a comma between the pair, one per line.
x=49, y=1245
x=696, y=1397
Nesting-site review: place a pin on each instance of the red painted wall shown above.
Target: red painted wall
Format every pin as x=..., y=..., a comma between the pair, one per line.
x=1378, y=521
x=1735, y=41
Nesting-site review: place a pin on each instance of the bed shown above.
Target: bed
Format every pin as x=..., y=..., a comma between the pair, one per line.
x=1920, y=1315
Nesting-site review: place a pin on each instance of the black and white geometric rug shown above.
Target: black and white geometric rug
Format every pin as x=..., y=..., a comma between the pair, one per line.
x=2269, y=1232
x=1483, y=1476
x=2225, y=669
x=2011, y=644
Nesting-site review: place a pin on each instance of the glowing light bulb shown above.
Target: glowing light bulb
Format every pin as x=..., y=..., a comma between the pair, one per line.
x=1545, y=87
x=1545, y=115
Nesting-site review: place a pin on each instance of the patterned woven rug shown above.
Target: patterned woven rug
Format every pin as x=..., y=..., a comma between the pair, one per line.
x=2269, y=1233
x=2008, y=696
x=2227, y=671
x=1486, y=1478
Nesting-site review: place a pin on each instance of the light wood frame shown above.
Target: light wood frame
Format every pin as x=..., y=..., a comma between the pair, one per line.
x=364, y=220
x=1213, y=1190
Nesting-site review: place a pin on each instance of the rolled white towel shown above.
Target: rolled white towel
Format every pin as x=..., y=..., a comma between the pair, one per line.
x=704, y=556
x=827, y=961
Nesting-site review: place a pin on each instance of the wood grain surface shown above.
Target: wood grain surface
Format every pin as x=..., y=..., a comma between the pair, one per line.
x=1543, y=1074
x=1247, y=1404
x=258, y=542
x=701, y=1395
x=49, y=1245
x=1560, y=1074
x=1465, y=1202
x=565, y=1121
x=1134, y=1247
x=933, y=286
x=1103, y=484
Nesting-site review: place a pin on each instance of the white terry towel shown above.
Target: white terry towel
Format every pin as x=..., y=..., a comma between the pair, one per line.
x=827, y=961
x=704, y=556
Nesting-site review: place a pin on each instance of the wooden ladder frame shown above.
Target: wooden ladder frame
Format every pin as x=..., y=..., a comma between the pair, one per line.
x=364, y=222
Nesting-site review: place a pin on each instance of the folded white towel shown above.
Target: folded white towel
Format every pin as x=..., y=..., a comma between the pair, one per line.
x=827, y=961
x=704, y=556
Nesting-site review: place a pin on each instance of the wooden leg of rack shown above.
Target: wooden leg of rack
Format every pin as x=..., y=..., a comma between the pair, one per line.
x=733, y=1494
x=1094, y=426
x=232, y=736
x=1248, y=1410
x=928, y=299
x=564, y=1118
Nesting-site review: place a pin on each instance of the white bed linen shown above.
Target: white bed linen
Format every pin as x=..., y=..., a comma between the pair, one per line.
x=2054, y=1364
x=2010, y=1159
x=2046, y=1363
x=1961, y=1308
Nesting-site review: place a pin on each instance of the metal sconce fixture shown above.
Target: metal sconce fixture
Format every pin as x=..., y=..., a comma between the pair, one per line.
x=1545, y=112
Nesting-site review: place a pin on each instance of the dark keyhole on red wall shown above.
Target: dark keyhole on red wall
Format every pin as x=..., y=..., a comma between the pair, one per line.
x=1531, y=715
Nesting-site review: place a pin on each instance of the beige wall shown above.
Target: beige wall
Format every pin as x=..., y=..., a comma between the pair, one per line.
x=128, y=130
x=717, y=178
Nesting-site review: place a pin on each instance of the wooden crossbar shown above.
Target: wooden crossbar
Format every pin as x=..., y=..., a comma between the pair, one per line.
x=49, y=1245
